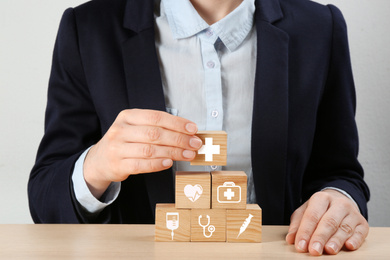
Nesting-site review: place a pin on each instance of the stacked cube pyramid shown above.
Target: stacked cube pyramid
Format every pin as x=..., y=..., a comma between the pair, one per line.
x=210, y=206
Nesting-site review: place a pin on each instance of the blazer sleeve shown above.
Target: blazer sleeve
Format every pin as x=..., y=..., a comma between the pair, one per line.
x=71, y=126
x=333, y=161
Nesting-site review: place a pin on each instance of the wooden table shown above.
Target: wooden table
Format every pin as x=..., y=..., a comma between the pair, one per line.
x=137, y=242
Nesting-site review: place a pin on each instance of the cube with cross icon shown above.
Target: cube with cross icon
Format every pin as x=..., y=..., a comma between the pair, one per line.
x=209, y=206
x=213, y=150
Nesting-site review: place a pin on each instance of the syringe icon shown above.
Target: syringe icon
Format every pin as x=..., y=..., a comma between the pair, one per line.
x=245, y=225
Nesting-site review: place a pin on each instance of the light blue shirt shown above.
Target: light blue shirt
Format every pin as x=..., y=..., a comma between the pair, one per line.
x=208, y=77
x=208, y=74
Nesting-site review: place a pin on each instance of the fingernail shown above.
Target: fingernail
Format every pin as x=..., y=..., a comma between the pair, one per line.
x=302, y=245
x=333, y=246
x=317, y=247
x=352, y=243
x=188, y=154
x=195, y=142
x=167, y=162
x=191, y=127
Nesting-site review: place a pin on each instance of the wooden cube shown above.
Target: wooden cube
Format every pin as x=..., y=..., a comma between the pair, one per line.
x=193, y=190
x=228, y=189
x=214, y=149
x=172, y=224
x=208, y=225
x=244, y=225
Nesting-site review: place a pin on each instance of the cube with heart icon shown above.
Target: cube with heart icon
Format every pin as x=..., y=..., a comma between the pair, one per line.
x=193, y=190
x=211, y=205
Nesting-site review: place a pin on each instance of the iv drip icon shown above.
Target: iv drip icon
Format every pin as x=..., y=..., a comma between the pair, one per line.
x=172, y=221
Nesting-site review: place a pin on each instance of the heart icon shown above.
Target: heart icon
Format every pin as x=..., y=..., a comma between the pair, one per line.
x=193, y=192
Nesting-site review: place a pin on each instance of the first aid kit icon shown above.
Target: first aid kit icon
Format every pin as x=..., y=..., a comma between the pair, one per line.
x=229, y=192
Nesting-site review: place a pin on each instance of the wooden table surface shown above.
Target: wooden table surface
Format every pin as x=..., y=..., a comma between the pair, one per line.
x=137, y=242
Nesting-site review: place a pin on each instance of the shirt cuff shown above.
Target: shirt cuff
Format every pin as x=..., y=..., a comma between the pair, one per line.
x=84, y=195
x=343, y=192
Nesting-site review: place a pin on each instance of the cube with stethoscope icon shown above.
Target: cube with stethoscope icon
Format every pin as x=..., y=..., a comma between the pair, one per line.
x=224, y=215
x=210, y=228
x=208, y=225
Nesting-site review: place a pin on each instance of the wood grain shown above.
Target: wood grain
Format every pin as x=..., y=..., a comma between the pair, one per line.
x=217, y=219
x=193, y=179
x=96, y=241
x=163, y=233
x=219, y=138
x=237, y=231
x=220, y=181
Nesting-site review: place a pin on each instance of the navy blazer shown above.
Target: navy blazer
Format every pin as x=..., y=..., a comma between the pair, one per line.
x=304, y=136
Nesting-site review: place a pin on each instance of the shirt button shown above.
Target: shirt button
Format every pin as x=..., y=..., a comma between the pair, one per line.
x=214, y=113
x=209, y=32
x=210, y=64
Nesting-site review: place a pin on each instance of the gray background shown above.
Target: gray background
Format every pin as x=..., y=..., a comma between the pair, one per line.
x=27, y=33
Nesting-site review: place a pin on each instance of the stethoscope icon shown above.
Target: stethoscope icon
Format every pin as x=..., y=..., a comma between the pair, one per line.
x=210, y=228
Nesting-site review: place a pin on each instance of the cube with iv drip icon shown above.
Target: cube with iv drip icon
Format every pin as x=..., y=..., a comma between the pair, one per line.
x=210, y=206
x=172, y=224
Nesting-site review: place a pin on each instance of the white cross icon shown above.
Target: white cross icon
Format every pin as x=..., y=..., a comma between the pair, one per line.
x=229, y=194
x=209, y=149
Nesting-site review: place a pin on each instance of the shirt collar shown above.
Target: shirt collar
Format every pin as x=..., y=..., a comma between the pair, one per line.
x=184, y=21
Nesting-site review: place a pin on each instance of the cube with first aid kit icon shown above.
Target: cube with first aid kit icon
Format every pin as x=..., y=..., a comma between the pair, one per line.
x=228, y=189
x=209, y=206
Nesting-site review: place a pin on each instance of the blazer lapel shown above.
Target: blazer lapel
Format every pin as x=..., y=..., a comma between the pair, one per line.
x=143, y=81
x=270, y=112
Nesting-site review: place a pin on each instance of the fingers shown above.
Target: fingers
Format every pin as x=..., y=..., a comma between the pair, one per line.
x=358, y=237
x=136, y=166
x=159, y=119
x=154, y=127
x=329, y=227
x=159, y=136
x=329, y=221
x=150, y=151
x=344, y=231
x=139, y=141
x=317, y=206
x=295, y=221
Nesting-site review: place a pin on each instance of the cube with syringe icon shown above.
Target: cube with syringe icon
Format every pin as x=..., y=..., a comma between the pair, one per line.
x=210, y=206
x=244, y=225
